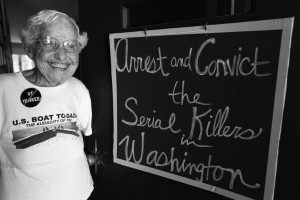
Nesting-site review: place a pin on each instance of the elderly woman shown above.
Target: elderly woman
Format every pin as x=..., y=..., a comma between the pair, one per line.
x=44, y=113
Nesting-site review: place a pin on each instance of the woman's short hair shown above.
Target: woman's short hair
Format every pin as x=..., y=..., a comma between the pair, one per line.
x=37, y=23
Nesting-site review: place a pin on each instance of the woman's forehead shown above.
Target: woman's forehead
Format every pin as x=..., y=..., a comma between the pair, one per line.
x=61, y=29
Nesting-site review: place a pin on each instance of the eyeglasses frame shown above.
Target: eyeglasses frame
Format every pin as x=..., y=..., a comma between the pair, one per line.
x=40, y=41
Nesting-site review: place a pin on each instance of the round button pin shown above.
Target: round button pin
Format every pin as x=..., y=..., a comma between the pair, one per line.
x=31, y=97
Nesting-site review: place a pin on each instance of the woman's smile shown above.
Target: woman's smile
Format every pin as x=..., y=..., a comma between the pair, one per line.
x=59, y=66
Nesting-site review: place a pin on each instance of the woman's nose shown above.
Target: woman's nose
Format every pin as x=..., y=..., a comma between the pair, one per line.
x=60, y=54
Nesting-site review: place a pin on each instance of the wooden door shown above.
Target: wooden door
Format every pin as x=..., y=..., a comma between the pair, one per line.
x=100, y=18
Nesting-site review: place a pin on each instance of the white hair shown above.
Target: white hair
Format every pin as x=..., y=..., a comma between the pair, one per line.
x=36, y=24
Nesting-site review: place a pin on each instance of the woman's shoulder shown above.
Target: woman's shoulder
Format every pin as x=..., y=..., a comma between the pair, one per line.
x=7, y=77
x=77, y=84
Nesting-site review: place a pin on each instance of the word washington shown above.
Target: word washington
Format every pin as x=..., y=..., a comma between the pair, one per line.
x=162, y=159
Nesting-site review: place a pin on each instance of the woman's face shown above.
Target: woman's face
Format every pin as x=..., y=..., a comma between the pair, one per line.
x=59, y=65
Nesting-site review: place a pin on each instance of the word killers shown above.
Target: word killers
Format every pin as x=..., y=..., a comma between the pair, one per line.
x=207, y=123
x=205, y=172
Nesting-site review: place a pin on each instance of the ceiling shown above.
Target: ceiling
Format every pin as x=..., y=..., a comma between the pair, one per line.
x=18, y=12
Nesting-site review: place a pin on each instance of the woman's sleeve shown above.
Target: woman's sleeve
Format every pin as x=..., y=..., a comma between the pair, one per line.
x=85, y=113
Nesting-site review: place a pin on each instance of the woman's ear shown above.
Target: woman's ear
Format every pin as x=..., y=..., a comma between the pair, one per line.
x=29, y=52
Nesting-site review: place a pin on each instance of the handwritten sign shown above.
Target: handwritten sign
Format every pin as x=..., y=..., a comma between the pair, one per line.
x=203, y=107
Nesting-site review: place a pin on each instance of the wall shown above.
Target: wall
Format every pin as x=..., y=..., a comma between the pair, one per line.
x=99, y=18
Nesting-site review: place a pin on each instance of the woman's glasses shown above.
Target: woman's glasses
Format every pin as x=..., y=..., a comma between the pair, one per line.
x=52, y=44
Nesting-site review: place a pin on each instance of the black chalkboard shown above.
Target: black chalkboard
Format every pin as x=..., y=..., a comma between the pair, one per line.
x=202, y=106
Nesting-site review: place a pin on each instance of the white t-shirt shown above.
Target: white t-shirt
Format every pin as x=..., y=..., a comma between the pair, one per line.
x=41, y=144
